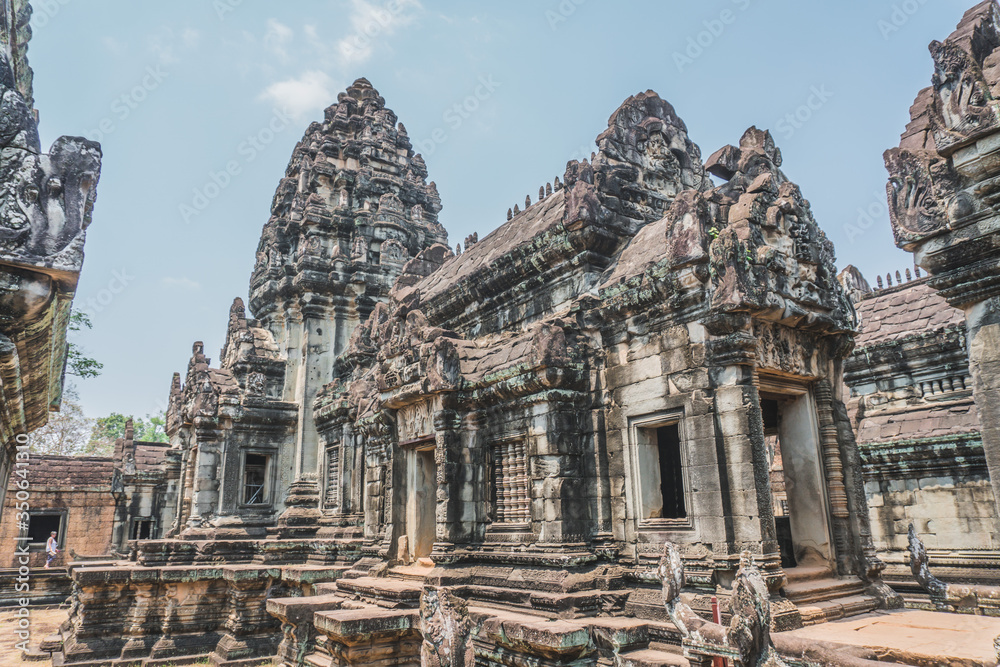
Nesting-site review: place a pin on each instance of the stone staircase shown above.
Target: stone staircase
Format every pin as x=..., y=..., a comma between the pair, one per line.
x=367, y=620
x=822, y=596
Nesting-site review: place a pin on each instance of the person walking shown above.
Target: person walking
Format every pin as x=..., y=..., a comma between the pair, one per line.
x=51, y=549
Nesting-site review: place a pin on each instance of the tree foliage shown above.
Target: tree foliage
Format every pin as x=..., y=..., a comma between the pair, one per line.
x=112, y=427
x=78, y=364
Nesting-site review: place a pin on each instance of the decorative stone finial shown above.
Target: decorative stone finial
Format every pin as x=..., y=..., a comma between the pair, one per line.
x=510, y=214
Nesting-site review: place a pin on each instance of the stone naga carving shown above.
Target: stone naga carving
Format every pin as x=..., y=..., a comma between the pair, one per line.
x=748, y=637
x=445, y=625
x=46, y=198
x=945, y=595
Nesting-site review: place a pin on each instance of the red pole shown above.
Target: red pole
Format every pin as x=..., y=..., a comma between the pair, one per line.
x=717, y=661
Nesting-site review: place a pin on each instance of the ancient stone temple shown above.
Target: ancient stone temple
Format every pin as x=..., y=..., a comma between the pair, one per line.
x=409, y=451
x=644, y=399
x=353, y=208
x=46, y=200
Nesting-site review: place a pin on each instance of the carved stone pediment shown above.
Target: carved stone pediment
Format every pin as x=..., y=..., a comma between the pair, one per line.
x=924, y=195
x=965, y=108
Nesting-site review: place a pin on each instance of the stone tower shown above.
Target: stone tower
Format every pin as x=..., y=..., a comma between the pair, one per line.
x=353, y=207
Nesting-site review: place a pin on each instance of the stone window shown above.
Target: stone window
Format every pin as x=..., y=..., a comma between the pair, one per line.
x=509, y=487
x=663, y=488
x=255, y=486
x=658, y=482
x=142, y=529
x=375, y=252
x=40, y=526
x=332, y=498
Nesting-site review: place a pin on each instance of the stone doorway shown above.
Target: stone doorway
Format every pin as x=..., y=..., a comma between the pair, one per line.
x=798, y=486
x=421, y=502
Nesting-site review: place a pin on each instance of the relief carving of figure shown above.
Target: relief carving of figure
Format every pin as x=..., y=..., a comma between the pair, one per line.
x=445, y=625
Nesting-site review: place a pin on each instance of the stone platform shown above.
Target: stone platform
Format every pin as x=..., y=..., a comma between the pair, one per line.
x=914, y=637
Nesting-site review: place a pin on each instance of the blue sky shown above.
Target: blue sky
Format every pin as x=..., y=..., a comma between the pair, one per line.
x=198, y=104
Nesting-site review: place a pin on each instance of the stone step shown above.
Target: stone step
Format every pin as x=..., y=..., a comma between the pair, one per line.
x=301, y=608
x=650, y=657
x=833, y=610
x=416, y=573
x=819, y=590
x=796, y=575
x=389, y=593
x=376, y=637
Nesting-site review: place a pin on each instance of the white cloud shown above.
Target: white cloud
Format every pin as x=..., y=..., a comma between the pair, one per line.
x=371, y=22
x=115, y=46
x=180, y=283
x=277, y=37
x=190, y=38
x=310, y=92
x=164, y=43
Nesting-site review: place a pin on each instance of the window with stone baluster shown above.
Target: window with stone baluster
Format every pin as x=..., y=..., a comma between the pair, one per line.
x=509, y=483
x=332, y=496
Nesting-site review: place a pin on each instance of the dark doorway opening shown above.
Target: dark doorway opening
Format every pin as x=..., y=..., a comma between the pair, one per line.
x=142, y=529
x=668, y=442
x=771, y=413
x=41, y=526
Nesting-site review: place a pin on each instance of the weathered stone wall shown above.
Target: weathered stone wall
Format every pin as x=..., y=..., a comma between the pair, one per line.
x=80, y=486
x=951, y=513
x=918, y=430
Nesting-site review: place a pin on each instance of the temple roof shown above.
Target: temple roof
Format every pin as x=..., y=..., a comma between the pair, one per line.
x=67, y=472
x=913, y=308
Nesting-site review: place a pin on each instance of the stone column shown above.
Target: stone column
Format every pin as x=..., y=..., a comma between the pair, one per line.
x=311, y=339
x=205, y=494
x=458, y=480
x=982, y=320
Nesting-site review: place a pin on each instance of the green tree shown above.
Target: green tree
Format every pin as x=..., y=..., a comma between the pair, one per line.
x=108, y=429
x=78, y=364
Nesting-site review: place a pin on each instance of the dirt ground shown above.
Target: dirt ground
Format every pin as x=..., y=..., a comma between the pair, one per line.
x=43, y=622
